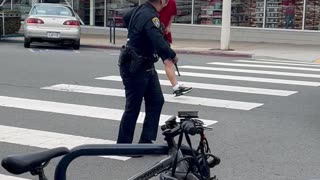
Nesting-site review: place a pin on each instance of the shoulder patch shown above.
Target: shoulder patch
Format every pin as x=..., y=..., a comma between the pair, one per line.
x=156, y=22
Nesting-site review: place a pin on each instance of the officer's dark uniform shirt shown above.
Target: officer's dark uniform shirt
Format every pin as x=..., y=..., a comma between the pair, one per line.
x=145, y=34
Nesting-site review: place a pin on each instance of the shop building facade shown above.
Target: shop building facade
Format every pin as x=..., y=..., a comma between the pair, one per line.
x=267, y=20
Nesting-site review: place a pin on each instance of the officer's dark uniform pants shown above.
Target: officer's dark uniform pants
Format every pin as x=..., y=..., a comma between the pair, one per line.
x=143, y=84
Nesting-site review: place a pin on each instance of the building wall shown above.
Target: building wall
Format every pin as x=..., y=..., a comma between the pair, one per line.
x=181, y=31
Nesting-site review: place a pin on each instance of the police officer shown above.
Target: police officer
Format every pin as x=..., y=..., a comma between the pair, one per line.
x=139, y=77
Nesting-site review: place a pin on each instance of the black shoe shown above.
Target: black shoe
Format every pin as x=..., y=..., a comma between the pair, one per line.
x=182, y=90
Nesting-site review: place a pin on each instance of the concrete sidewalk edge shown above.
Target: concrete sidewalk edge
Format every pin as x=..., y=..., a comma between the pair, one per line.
x=183, y=51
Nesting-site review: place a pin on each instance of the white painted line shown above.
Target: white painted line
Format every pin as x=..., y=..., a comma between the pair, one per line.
x=246, y=78
x=53, y=50
x=168, y=97
x=48, y=140
x=264, y=66
x=74, y=109
x=295, y=62
x=5, y=177
x=251, y=71
x=240, y=89
x=282, y=63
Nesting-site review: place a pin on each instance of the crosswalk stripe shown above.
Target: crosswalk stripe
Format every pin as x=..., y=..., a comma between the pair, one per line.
x=5, y=177
x=246, y=78
x=241, y=89
x=48, y=140
x=251, y=71
x=263, y=66
x=77, y=110
x=288, y=61
x=281, y=63
x=168, y=97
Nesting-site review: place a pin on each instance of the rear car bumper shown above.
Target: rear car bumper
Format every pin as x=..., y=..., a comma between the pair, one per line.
x=35, y=32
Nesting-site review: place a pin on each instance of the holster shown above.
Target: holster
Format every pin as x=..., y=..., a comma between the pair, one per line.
x=136, y=62
x=124, y=56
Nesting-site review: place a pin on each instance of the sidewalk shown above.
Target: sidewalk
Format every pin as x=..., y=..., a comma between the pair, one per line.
x=307, y=53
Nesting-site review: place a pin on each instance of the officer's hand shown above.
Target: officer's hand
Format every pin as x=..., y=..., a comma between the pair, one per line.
x=167, y=30
x=175, y=60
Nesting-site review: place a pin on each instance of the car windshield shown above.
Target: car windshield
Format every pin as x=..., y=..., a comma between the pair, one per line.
x=52, y=10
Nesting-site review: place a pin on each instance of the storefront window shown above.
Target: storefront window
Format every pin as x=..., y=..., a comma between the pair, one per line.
x=240, y=13
x=86, y=14
x=312, y=15
x=256, y=13
x=246, y=13
x=274, y=14
x=287, y=14
x=99, y=13
x=208, y=12
x=184, y=11
x=116, y=9
x=23, y=6
x=82, y=8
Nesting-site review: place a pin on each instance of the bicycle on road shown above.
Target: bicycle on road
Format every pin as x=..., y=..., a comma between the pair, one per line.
x=182, y=163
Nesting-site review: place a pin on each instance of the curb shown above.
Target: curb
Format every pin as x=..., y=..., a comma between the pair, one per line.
x=208, y=53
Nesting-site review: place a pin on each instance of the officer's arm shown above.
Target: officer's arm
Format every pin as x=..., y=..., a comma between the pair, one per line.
x=152, y=29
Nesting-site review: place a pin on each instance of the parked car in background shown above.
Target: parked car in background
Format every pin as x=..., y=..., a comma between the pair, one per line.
x=56, y=23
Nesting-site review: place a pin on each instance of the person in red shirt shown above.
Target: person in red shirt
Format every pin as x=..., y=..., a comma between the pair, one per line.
x=166, y=16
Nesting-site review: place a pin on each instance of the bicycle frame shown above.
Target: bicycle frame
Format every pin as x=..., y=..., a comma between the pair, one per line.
x=120, y=150
x=173, y=151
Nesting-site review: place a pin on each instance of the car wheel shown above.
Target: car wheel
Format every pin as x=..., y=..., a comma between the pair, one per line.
x=27, y=43
x=76, y=44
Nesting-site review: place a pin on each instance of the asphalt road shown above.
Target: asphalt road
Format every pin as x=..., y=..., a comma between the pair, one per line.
x=266, y=111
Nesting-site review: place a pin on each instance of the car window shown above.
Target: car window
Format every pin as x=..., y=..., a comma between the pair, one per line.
x=52, y=10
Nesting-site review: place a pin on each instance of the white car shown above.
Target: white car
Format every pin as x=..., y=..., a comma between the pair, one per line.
x=56, y=23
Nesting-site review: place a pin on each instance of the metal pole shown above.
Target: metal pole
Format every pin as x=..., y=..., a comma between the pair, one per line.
x=225, y=26
x=92, y=12
x=110, y=33
x=264, y=13
x=114, y=31
x=105, y=14
x=304, y=14
x=3, y=24
x=192, y=12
